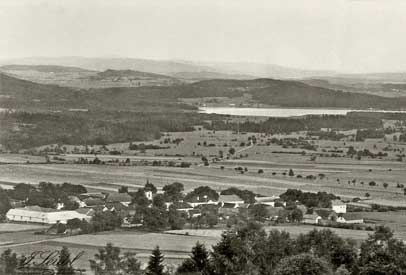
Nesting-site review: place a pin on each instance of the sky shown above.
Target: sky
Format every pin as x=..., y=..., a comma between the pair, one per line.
x=341, y=35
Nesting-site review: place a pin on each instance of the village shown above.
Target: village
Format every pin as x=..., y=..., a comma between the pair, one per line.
x=200, y=208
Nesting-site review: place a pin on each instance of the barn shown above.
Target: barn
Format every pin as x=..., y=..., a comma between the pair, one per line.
x=36, y=214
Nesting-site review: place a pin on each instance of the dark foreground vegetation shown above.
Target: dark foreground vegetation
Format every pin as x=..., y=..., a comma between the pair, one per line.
x=247, y=249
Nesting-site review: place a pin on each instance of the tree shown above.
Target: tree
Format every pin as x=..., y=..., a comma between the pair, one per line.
x=200, y=257
x=159, y=201
x=155, y=218
x=175, y=219
x=4, y=203
x=291, y=174
x=381, y=253
x=139, y=198
x=202, y=192
x=107, y=261
x=73, y=224
x=385, y=185
x=303, y=264
x=327, y=244
x=231, y=151
x=123, y=189
x=277, y=246
x=103, y=221
x=155, y=264
x=197, y=263
x=64, y=265
x=8, y=262
x=130, y=264
x=173, y=192
x=259, y=212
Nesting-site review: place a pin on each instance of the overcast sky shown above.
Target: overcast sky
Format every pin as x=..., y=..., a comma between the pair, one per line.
x=343, y=35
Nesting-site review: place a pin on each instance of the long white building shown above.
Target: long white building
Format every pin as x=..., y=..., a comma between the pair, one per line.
x=36, y=214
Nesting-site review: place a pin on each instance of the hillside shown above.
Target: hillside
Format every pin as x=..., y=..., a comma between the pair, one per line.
x=76, y=77
x=289, y=94
x=130, y=74
x=172, y=67
x=204, y=75
x=18, y=93
x=43, y=68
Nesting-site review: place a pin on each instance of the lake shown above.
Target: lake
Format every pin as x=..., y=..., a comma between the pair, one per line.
x=280, y=112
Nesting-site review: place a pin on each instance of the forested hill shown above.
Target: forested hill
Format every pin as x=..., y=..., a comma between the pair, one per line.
x=267, y=91
x=293, y=94
x=21, y=94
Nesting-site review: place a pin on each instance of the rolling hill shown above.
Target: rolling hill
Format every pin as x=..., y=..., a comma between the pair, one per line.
x=82, y=78
x=17, y=93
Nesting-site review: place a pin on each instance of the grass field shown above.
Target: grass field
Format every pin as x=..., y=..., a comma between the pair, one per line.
x=294, y=230
x=13, y=227
x=143, y=242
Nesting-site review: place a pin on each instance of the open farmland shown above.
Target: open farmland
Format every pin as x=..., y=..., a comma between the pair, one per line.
x=12, y=227
x=338, y=174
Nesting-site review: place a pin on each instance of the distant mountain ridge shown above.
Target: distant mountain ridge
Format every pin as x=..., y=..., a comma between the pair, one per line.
x=43, y=68
x=169, y=67
x=130, y=73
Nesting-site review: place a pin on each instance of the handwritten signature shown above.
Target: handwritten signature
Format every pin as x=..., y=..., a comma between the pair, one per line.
x=47, y=261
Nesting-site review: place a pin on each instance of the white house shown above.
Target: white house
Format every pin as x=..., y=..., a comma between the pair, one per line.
x=353, y=218
x=230, y=199
x=267, y=200
x=338, y=206
x=311, y=219
x=36, y=214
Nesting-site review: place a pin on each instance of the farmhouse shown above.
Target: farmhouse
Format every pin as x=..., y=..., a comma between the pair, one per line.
x=311, y=218
x=267, y=200
x=122, y=198
x=350, y=218
x=230, y=199
x=338, y=206
x=36, y=214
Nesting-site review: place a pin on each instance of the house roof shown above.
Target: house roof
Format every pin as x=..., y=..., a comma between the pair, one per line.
x=118, y=197
x=85, y=211
x=274, y=211
x=337, y=203
x=266, y=199
x=228, y=205
x=92, y=195
x=230, y=198
x=324, y=212
x=352, y=216
x=36, y=208
x=311, y=216
x=93, y=201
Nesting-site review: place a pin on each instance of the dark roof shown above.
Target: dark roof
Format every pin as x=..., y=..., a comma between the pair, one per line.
x=274, y=211
x=85, y=210
x=352, y=216
x=324, y=212
x=93, y=201
x=310, y=216
x=228, y=205
x=118, y=197
x=92, y=195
